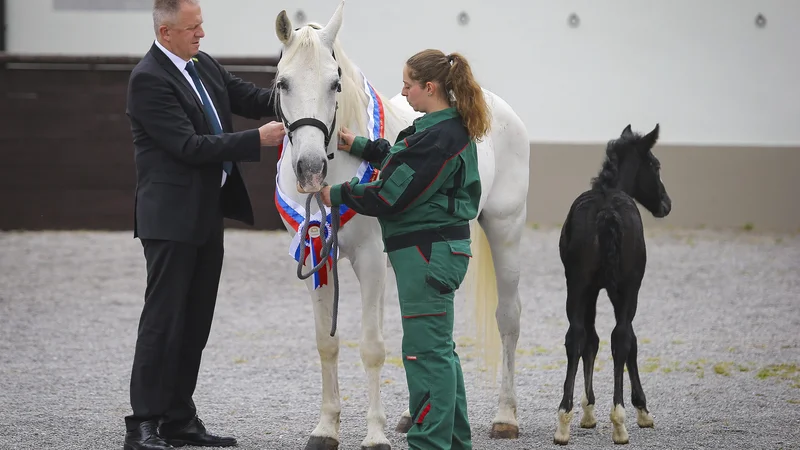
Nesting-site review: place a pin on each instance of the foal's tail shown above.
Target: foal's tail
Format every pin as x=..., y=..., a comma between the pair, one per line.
x=609, y=233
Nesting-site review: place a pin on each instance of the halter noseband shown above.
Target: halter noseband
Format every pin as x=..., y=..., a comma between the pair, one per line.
x=291, y=126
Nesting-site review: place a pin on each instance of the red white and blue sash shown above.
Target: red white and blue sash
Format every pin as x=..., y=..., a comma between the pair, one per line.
x=294, y=213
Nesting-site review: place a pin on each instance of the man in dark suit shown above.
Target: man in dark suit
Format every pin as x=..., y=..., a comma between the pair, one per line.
x=180, y=103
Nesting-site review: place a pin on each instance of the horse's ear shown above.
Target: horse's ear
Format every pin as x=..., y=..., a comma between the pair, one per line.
x=283, y=28
x=328, y=34
x=627, y=131
x=652, y=137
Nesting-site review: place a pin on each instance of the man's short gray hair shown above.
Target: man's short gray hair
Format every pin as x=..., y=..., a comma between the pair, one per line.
x=165, y=11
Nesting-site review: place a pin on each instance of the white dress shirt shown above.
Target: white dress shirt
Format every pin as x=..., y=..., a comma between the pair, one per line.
x=181, y=65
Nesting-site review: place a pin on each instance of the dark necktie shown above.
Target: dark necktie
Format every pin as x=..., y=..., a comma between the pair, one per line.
x=227, y=166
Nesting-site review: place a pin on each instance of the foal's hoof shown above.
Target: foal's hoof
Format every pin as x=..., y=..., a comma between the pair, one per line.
x=504, y=431
x=561, y=437
x=404, y=425
x=322, y=443
x=588, y=420
x=644, y=419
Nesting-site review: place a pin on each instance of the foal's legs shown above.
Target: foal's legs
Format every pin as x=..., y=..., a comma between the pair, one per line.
x=578, y=296
x=504, y=235
x=369, y=264
x=643, y=417
x=624, y=349
x=588, y=419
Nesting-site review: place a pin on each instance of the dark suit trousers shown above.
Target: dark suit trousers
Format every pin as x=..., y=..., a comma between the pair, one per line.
x=174, y=326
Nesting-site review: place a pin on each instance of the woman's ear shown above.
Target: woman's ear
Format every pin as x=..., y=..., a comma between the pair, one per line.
x=430, y=87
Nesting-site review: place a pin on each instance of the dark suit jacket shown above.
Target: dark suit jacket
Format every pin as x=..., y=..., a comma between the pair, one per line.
x=178, y=158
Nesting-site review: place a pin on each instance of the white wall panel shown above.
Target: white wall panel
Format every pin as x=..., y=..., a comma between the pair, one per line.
x=701, y=68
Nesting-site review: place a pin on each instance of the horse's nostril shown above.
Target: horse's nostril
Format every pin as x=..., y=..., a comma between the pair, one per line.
x=324, y=168
x=299, y=170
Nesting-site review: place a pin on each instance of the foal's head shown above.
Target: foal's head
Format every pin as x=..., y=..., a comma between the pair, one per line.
x=307, y=82
x=632, y=167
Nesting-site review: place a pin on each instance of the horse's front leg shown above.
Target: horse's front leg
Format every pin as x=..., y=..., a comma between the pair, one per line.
x=326, y=434
x=369, y=264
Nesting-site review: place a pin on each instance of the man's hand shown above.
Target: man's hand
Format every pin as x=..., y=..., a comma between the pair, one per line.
x=271, y=134
x=346, y=138
x=325, y=194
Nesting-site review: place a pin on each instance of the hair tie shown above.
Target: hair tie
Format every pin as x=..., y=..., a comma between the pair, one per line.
x=450, y=59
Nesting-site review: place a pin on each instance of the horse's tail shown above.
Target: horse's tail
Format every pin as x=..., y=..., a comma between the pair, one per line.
x=482, y=293
x=609, y=233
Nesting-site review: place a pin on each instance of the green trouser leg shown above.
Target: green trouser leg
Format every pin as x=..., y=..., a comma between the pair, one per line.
x=427, y=277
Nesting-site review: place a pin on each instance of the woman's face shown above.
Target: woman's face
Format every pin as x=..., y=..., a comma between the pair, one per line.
x=416, y=95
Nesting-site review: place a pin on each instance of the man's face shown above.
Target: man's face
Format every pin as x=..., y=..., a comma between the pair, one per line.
x=184, y=35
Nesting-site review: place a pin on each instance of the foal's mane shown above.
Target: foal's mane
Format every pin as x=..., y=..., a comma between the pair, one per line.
x=353, y=99
x=609, y=174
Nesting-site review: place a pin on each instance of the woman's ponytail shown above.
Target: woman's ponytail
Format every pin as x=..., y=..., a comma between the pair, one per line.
x=469, y=100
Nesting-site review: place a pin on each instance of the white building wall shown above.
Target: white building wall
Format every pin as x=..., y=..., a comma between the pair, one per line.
x=701, y=68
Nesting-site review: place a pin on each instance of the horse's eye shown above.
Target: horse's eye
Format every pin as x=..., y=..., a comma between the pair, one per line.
x=282, y=84
x=336, y=86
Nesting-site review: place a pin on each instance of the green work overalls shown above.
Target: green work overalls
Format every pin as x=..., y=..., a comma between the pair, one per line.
x=428, y=190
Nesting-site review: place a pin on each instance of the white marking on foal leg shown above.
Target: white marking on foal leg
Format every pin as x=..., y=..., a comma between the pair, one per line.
x=644, y=419
x=562, y=427
x=328, y=348
x=588, y=420
x=618, y=432
x=370, y=269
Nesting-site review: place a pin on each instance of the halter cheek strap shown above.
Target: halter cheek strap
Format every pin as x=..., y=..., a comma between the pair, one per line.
x=310, y=121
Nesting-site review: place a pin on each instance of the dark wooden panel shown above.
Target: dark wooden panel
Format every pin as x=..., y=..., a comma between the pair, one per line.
x=66, y=156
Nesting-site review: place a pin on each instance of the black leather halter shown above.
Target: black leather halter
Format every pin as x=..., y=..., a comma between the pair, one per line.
x=291, y=126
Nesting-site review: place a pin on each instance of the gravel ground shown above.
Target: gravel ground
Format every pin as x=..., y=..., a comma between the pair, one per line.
x=717, y=322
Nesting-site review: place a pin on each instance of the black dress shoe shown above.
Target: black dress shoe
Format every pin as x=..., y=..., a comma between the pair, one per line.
x=194, y=433
x=145, y=437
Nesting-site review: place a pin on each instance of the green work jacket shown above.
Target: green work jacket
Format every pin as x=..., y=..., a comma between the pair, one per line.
x=428, y=178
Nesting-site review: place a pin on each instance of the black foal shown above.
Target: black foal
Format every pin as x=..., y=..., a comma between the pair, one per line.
x=602, y=247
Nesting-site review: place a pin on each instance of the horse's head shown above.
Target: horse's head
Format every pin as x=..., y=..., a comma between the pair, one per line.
x=307, y=82
x=646, y=186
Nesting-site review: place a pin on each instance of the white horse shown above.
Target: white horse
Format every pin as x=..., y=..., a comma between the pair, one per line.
x=319, y=89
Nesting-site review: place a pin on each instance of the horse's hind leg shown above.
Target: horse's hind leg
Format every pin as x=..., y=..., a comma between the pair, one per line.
x=369, y=265
x=574, y=343
x=326, y=434
x=504, y=234
x=588, y=420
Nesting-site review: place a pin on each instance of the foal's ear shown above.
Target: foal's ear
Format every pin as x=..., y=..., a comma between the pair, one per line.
x=627, y=132
x=283, y=28
x=651, y=138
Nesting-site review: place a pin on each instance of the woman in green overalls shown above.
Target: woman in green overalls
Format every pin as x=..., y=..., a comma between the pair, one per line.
x=427, y=193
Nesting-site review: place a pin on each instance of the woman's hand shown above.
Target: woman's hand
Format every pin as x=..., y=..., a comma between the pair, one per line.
x=325, y=194
x=346, y=138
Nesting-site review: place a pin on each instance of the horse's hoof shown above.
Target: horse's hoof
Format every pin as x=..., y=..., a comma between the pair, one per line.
x=404, y=425
x=378, y=447
x=504, y=431
x=322, y=443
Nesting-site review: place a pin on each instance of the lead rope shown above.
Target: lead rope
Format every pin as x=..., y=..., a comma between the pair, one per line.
x=329, y=248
